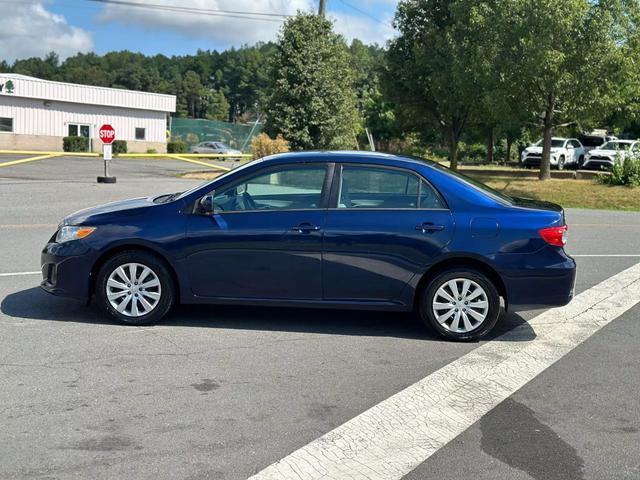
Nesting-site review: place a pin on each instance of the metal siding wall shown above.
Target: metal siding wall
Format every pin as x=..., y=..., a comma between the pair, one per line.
x=87, y=94
x=31, y=117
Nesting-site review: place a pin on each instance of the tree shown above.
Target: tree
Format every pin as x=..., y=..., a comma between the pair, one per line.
x=191, y=89
x=567, y=60
x=436, y=67
x=214, y=105
x=313, y=103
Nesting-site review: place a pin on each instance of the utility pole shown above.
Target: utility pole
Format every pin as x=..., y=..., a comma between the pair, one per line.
x=322, y=8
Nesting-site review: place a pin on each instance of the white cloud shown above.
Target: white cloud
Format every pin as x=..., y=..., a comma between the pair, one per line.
x=364, y=28
x=28, y=29
x=230, y=31
x=223, y=29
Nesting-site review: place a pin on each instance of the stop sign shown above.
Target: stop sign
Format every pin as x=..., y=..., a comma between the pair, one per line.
x=107, y=134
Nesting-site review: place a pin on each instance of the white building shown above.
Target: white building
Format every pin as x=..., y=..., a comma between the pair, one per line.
x=36, y=114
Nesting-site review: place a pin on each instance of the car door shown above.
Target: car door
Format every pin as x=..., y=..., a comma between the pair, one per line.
x=384, y=226
x=265, y=239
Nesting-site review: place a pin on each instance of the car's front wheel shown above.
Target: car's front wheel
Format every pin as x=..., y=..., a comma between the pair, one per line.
x=134, y=288
x=460, y=304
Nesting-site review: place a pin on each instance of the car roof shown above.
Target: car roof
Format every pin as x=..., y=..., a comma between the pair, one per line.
x=352, y=156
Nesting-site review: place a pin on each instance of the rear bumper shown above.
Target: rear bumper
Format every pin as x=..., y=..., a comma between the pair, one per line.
x=544, y=279
x=66, y=269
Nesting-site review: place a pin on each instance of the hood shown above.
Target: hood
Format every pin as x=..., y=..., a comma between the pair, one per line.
x=98, y=214
x=609, y=153
x=539, y=149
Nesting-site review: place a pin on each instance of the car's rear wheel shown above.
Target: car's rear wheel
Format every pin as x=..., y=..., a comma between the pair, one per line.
x=460, y=304
x=135, y=288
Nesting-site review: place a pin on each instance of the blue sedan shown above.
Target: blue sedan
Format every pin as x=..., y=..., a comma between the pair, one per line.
x=320, y=229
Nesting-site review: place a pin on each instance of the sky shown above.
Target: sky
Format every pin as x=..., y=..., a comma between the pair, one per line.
x=31, y=28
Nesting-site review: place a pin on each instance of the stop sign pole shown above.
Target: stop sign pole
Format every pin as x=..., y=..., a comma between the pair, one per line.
x=107, y=135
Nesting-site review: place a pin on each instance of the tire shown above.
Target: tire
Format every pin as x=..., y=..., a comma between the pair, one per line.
x=473, y=328
x=580, y=162
x=561, y=163
x=159, y=293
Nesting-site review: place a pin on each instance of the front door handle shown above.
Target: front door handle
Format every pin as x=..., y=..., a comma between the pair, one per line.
x=428, y=227
x=305, y=228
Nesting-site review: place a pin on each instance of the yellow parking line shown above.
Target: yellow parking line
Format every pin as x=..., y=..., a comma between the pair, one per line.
x=28, y=225
x=41, y=152
x=30, y=159
x=198, y=162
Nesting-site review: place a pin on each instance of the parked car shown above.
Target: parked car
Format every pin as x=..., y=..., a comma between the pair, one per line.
x=604, y=158
x=564, y=152
x=355, y=230
x=214, y=147
x=594, y=140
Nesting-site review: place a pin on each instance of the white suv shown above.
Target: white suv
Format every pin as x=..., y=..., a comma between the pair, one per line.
x=605, y=156
x=564, y=151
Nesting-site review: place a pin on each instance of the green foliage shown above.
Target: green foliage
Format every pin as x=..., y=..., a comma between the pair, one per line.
x=312, y=102
x=214, y=105
x=436, y=67
x=152, y=150
x=119, y=146
x=176, y=146
x=626, y=172
x=572, y=60
x=75, y=144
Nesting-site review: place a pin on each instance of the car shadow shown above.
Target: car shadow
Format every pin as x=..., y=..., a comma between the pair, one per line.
x=35, y=304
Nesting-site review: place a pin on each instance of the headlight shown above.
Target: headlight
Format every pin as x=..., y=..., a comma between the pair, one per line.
x=67, y=233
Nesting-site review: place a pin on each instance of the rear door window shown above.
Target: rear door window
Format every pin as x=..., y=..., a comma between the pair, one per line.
x=384, y=188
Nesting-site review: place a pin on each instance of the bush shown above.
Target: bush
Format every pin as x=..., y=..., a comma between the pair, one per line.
x=151, y=150
x=177, y=146
x=75, y=144
x=476, y=152
x=263, y=145
x=119, y=146
x=626, y=172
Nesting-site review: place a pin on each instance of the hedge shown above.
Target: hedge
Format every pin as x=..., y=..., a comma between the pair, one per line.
x=75, y=144
x=119, y=146
x=177, y=146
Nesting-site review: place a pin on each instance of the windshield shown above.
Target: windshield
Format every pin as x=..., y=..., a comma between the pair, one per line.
x=616, y=146
x=555, y=143
x=495, y=194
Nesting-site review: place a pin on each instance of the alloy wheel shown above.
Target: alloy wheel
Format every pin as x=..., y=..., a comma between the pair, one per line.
x=133, y=289
x=460, y=305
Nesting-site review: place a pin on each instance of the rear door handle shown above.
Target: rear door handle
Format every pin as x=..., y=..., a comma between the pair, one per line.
x=428, y=227
x=305, y=228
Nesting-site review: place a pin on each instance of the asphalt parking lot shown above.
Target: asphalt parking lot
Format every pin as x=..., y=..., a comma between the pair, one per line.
x=223, y=393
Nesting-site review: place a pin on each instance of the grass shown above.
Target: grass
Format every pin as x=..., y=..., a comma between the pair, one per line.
x=568, y=192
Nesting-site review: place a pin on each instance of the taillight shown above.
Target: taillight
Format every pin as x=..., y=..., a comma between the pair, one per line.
x=554, y=235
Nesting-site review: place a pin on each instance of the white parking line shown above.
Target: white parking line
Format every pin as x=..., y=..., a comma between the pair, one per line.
x=623, y=255
x=393, y=437
x=17, y=274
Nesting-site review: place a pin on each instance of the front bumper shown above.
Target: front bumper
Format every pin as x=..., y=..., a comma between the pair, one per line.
x=535, y=160
x=599, y=163
x=66, y=269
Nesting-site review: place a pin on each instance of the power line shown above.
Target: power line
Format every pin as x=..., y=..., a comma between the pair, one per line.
x=262, y=16
x=366, y=14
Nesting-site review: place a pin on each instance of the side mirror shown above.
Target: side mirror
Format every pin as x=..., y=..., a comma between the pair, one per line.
x=570, y=147
x=206, y=204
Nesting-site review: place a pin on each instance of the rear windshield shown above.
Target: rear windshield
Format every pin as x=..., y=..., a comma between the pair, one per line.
x=495, y=194
x=592, y=141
